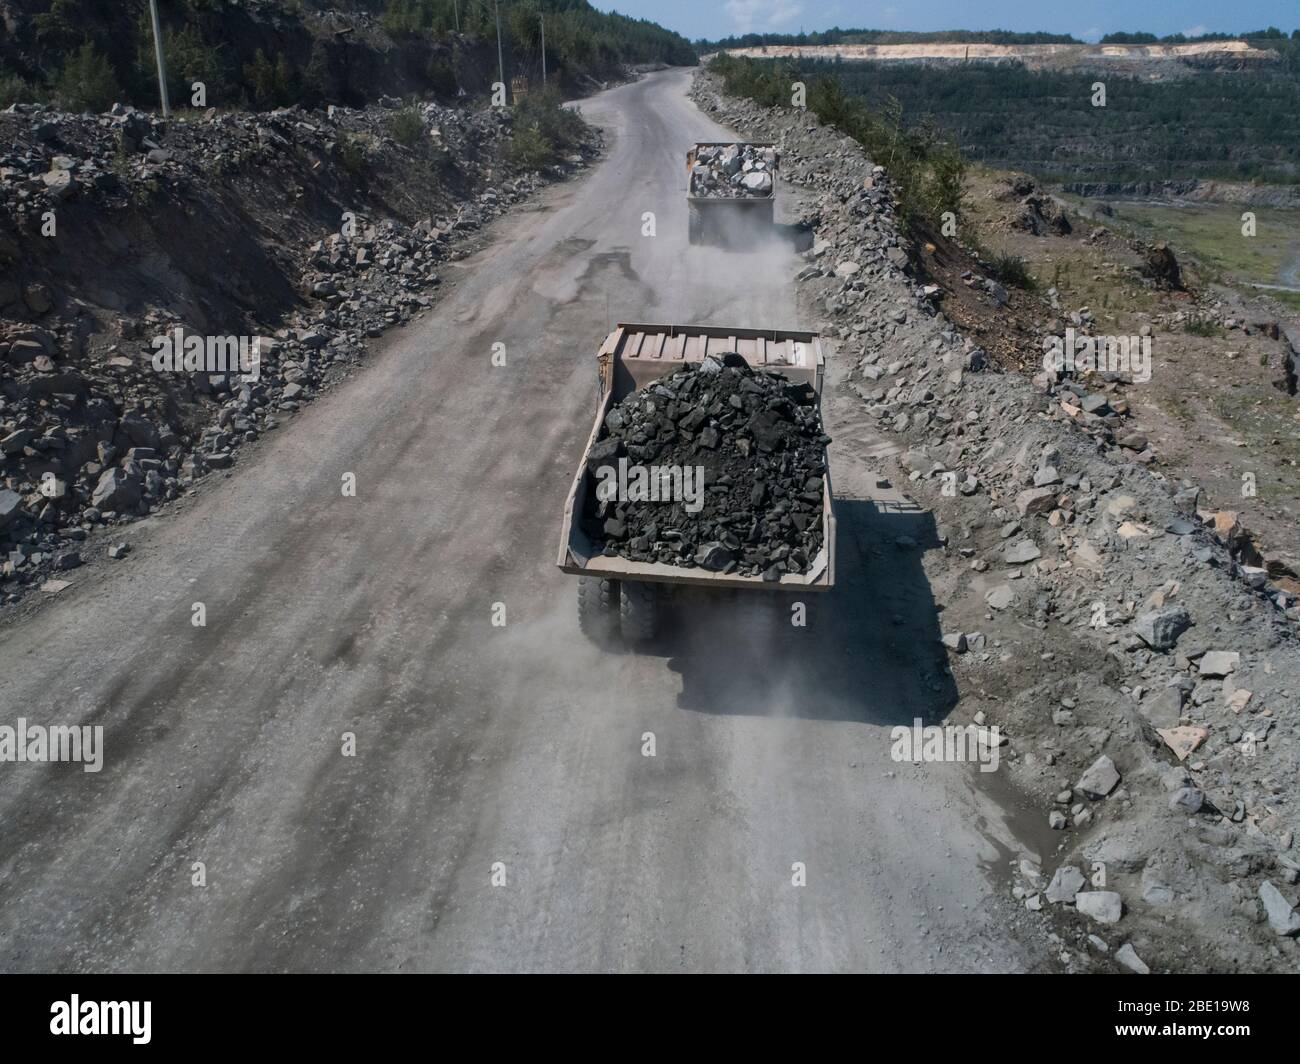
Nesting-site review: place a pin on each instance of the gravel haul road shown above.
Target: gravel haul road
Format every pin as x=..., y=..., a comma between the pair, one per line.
x=500, y=811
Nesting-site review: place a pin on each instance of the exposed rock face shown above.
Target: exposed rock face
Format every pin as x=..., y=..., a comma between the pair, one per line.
x=1162, y=267
x=281, y=231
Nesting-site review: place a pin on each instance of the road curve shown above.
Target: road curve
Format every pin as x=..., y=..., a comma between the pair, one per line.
x=518, y=747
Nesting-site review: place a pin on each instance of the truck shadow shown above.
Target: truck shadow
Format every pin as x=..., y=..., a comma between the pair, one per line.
x=870, y=650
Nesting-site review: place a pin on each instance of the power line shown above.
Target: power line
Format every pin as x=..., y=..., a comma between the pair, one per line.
x=162, y=65
x=501, y=63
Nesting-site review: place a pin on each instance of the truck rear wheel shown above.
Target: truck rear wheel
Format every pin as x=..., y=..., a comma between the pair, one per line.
x=598, y=608
x=694, y=225
x=638, y=611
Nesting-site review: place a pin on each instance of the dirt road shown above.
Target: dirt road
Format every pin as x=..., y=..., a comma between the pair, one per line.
x=476, y=746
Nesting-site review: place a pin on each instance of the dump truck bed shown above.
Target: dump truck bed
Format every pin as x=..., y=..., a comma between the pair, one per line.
x=690, y=166
x=634, y=356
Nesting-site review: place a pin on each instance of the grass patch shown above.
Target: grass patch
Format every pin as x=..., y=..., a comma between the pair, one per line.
x=1013, y=270
x=1202, y=327
x=1212, y=234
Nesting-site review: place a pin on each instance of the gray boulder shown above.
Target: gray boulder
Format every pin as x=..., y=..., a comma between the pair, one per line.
x=11, y=504
x=117, y=490
x=1066, y=883
x=1100, y=779
x=1160, y=629
x=1282, y=917
x=1104, y=906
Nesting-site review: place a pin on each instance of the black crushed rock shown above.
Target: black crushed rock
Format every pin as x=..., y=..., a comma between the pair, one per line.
x=758, y=438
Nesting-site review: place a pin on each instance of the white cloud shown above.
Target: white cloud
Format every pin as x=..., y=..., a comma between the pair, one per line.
x=1093, y=35
x=751, y=15
x=1196, y=31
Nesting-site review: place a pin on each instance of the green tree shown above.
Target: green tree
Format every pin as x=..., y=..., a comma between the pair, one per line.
x=60, y=26
x=270, y=85
x=523, y=23
x=320, y=85
x=14, y=89
x=87, y=82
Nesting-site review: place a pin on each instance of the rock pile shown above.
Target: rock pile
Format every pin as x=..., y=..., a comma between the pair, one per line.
x=1038, y=212
x=274, y=228
x=734, y=171
x=1148, y=676
x=758, y=439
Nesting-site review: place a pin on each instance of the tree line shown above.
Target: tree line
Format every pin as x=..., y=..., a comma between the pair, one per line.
x=1226, y=125
x=86, y=55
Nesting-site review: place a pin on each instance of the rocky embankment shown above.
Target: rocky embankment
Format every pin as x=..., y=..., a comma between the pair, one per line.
x=1148, y=681
x=265, y=249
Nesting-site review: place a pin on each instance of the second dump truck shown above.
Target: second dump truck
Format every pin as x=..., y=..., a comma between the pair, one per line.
x=730, y=190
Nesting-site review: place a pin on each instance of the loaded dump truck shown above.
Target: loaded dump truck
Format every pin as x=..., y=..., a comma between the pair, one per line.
x=753, y=516
x=730, y=190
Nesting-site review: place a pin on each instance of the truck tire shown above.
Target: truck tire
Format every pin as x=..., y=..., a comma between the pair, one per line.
x=598, y=608
x=694, y=225
x=638, y=608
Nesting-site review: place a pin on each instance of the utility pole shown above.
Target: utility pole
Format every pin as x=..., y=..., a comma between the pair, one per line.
x=542, y=15
x=162, y=65
x=501, y=63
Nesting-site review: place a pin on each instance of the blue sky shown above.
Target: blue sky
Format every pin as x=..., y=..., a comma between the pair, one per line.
x=1086, y=19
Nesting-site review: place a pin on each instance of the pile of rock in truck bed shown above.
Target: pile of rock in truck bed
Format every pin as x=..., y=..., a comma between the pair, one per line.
x=757, y=438
x=733, y=171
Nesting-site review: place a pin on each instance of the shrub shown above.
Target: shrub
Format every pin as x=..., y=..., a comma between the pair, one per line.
x=320, y=81
x=413, y=18
x=352, y=153
x=542, y=130
x=528, y=149
x=441, y=73
x=14, y=89
x=270, y=85
x=1012, y=269
x=402, y=18
x=406, y=126
x=189, y=59
x=87, y=82
x=559, y=125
